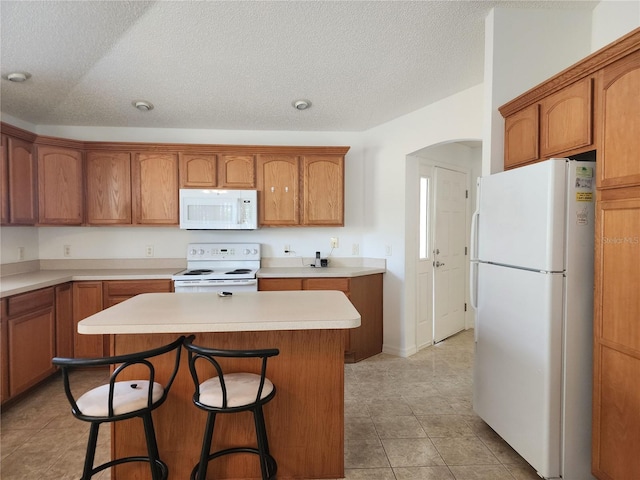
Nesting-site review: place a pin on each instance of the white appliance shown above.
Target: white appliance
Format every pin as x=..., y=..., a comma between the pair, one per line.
x=219, y=267
x=532, y=287
x=218, y=209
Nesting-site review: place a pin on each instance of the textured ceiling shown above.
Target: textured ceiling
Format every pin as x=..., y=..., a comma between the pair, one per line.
x=239, y=65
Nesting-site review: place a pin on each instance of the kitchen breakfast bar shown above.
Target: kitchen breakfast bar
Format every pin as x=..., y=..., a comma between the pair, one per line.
x=305, y=420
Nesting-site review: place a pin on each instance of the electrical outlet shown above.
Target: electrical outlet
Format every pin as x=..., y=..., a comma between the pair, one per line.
x=355, y=249
x=333, y=242
x=387, y=250
x=20, y=254
x=287, y=249
x=148, y=251
x=66, y=250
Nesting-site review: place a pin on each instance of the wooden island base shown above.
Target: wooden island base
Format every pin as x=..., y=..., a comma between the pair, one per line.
x=305, y=420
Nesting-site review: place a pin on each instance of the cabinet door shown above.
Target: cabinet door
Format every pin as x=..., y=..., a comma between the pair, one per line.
x=64, y=321
x=521, y=137
x=198, y=171
x=108, y=199
x=616, y=380
x=4, y=181
x=4, y=353
x=31, y=348
x=619, y=125
x=31, y=338
x=278, y=177
x=22, y=182
x=236, y=171
x=565, y=119
x=87, y=300
x=323, y=190
x=60, y=186
x=155, y=188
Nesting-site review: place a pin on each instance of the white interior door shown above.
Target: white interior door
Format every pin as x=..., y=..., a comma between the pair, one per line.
x=449, y=254
x=424, y=325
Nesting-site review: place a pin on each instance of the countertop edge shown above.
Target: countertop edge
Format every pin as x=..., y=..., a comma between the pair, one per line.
x=26, y=282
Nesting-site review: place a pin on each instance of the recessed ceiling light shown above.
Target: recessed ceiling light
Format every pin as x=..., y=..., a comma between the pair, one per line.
x=301, y=104
x=18, y=77
x=142, y=105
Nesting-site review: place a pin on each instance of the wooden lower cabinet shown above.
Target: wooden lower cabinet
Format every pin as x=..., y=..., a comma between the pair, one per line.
x=30, y=338
x=92, y=297
x=116, y=291
x=4, y=353
x=64, y=320
x=87, y=300
x=616, y=396
x=364, y=292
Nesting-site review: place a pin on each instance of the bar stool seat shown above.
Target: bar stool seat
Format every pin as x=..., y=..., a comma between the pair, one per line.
x=121, y=400
x=230, y=393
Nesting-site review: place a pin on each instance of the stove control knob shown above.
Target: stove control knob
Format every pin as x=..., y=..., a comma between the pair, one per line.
x=201, y=252
x=255, y=251
x=192, y=251
x=247, y=251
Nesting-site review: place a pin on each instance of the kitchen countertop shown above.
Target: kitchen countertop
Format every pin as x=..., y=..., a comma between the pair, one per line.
x=26, y=282
x=312, y=272
x=240, y=312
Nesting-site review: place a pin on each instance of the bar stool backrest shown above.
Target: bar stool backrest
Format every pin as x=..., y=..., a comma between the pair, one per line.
x=145, y=374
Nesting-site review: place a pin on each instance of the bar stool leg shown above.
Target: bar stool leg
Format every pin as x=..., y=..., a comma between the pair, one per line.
x=206, y=446
x=152, y=446
x=91, y=451
x=263, y=443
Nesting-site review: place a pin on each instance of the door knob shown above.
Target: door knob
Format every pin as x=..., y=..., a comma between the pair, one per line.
x=438, y=264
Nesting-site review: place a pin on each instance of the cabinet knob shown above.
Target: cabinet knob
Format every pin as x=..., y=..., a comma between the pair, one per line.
x=273, y=189
x=286, y=189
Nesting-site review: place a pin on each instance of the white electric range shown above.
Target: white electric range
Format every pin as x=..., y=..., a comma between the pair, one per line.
x=215, y=267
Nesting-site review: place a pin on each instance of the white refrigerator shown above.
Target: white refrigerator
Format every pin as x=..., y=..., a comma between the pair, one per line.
x=532, y=287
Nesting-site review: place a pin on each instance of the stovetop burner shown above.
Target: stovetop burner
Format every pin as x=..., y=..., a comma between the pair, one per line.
x=198, y=271
x=239, y=271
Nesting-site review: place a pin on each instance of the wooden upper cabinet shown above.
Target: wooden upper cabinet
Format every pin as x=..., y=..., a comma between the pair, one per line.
x=108, y=184
x=619, y=145
x=22, y=182
x=198, y=171
x=521, y=137
x=236, y=171
x=566, y=119
x=4, y=181
x=155, y=188
x=60, y=186
x=277, y=179
x=323, y=190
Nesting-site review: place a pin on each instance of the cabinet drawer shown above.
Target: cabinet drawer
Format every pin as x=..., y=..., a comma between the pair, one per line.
x=279, y=284
x=30, y=302
x=327, y=284
x=118, y=288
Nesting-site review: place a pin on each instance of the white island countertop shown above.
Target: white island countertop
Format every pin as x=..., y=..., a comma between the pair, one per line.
x=243, y=311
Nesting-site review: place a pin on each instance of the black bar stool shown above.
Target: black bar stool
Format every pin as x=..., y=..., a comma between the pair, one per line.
x=232, y=393
x=120, y=400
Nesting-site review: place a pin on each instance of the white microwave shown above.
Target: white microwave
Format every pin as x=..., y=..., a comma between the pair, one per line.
x=218, y=209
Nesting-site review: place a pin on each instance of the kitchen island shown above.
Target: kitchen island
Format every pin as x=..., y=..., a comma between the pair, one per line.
x=305, y=421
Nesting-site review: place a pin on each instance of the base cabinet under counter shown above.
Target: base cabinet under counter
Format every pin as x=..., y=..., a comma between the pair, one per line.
x=28, y=340
x=364, y=292
x=93, y=296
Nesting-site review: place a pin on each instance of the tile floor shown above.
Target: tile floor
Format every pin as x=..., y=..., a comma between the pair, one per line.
x=405, y=419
